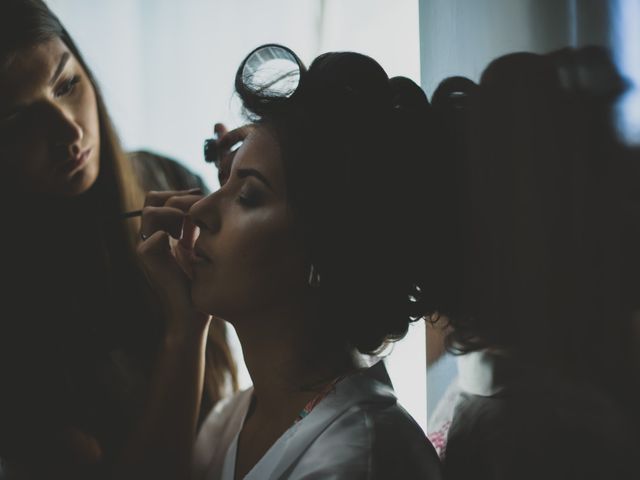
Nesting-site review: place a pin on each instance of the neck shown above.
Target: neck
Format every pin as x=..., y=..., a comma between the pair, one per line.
x=287, y=363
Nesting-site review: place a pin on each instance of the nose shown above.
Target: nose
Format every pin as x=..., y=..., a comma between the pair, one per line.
x=205, y=213
x=65, y=131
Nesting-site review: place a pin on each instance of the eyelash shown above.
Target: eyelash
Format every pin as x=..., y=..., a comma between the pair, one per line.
x=68, y=86
x=249, y=199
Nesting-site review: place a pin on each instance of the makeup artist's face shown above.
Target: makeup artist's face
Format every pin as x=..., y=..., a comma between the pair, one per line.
x=248, y=258
x=49, y=133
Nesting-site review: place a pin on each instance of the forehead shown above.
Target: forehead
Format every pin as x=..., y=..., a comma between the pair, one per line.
x=260, y=151
x=30, y=69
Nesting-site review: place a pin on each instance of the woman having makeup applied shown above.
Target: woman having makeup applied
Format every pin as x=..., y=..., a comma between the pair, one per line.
x=311, y=249
x=82, y=333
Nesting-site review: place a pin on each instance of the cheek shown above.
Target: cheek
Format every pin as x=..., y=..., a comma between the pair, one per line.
x=266, y=250
x=93, y=109
x=87, y=112
x=257, y=265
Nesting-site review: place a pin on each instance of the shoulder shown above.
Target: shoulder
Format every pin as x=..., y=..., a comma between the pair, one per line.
x=157, y=172
x=372, y=441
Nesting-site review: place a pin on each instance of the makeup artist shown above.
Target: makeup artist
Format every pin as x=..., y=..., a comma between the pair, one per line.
x=80, y=333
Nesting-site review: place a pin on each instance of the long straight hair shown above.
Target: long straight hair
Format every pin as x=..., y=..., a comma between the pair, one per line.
x=25, y=23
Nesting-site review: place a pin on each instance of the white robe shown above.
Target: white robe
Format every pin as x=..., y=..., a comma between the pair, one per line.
x=358, y=431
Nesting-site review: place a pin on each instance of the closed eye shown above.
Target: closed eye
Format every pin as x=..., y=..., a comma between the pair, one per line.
x=250, y=197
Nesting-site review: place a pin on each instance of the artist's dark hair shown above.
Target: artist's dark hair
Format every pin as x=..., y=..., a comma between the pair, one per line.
x=362, y=168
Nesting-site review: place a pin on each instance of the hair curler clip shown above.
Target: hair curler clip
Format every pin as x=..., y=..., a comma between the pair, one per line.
x=211, y=150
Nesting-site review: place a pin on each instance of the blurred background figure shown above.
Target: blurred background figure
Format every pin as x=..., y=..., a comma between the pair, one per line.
x=548, y=235
x=461, y=38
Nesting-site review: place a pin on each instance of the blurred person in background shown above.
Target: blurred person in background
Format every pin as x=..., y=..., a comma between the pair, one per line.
x=548, y=231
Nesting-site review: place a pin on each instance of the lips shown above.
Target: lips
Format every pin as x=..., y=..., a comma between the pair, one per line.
x=75, y=163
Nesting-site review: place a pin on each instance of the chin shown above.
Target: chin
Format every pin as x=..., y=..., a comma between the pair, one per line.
x=81, y=181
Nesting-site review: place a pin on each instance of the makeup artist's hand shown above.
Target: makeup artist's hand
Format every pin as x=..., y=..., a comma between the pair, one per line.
x=168, y=239
x=226, y=141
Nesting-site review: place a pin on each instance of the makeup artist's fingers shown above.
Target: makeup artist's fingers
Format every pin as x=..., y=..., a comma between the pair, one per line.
x=224, y=167
x=157, y=258
x=230, y=138
x=226, y=145
x=166, y=219
x=184, y=255
x=182, y=250
x=161, y=267
x=171, y=218
x=220, y=129
x=159, y=198
x=189, y=230
x=171, y=284
x=182, y=202
x=190, y=233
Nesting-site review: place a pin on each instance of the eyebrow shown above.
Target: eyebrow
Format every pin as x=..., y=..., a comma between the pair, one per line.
x=63, y=61
x=251, y=172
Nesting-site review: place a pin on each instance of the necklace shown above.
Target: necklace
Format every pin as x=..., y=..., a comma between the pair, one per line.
x=330, y=387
